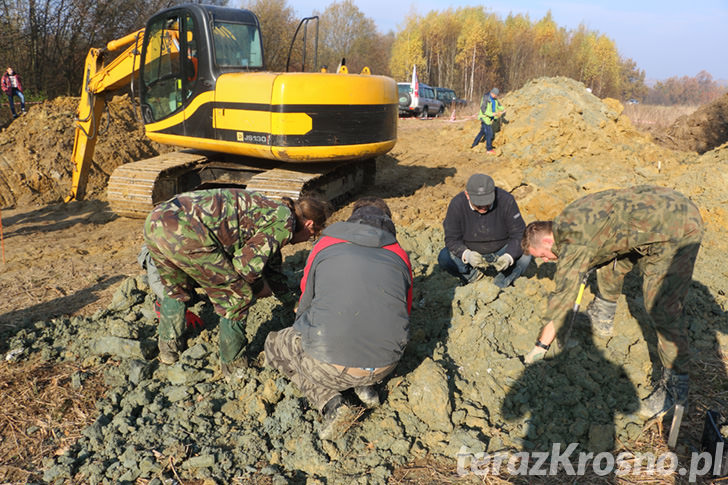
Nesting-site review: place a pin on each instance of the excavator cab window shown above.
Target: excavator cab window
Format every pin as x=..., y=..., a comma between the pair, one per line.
x=170, y=66
x=237, y=45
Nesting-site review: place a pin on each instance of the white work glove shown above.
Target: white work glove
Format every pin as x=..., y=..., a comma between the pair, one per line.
x=536, y=354
x=473, y=258
x=504, y=261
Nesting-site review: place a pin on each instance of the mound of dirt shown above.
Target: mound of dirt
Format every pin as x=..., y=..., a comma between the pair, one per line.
x=703, y=130
x=36, y=149
x=461, y=384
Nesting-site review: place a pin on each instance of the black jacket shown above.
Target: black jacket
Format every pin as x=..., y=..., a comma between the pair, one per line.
x=485, y=233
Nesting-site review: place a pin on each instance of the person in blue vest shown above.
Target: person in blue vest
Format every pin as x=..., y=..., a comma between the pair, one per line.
x=352, y=321
x=490, y=110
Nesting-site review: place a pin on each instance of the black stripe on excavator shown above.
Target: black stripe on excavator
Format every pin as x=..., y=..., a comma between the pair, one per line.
x=332, y=125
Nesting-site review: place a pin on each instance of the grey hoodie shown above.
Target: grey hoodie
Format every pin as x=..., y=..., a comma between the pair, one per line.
x=354, y=307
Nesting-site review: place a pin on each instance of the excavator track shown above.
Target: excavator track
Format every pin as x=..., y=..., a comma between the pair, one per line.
x=135, y=188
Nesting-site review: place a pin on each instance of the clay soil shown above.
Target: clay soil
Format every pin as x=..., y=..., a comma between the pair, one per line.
x=561, y=143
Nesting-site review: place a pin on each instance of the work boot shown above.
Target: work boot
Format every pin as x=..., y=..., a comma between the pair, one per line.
x=601, y=314
x=234, y=371
x=336, y=416
x=670, y=390
x=367, y=395
x=169, y=350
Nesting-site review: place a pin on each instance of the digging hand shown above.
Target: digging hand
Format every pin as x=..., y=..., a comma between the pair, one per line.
x=536, y=354
x=503, y=262
x=473, y=258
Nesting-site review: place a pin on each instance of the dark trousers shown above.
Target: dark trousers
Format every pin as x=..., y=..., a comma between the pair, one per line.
x=14, y=92
x=486, y=131
x=467, y=274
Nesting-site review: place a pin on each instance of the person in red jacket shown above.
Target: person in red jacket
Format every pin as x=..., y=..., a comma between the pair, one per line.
x=352, y=321
x=12, y=86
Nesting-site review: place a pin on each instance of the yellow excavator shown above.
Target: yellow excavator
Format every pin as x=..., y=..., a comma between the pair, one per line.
x=198, y=73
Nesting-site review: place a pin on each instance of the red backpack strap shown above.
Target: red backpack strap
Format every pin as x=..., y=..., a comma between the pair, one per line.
x=397, y=249
x=322, y=244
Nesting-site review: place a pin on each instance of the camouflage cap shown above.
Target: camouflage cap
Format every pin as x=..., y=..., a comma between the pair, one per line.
x=480, y=189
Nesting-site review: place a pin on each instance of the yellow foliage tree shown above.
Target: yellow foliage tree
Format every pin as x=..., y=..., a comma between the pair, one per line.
x=407, y=50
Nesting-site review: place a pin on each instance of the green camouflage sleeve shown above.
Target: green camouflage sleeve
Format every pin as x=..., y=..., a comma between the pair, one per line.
x=273, y=229
x=572, y=265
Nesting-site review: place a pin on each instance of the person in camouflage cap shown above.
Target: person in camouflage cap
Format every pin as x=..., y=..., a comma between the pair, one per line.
x=224, y=241
x=654, y=228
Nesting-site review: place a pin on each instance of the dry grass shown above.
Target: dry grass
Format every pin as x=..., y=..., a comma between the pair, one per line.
x=649, y=117
x=42, y=415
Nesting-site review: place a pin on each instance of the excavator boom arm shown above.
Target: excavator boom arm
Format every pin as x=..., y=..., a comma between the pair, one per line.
x=99, y=79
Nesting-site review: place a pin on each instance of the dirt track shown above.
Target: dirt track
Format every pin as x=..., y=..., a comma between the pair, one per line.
x=561, y=143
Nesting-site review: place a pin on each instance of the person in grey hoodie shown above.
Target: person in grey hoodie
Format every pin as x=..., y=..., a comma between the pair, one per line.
x=352, y=320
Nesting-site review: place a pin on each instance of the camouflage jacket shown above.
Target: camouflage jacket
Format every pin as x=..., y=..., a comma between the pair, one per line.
x=601, y=227
x=248, y=227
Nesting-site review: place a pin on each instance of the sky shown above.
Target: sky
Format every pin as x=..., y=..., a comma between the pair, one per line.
x=665, y=38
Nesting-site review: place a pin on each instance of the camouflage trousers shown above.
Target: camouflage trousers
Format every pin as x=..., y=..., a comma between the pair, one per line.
x=317, y=380
x=667, y=271
x=185, y=251
x=184, y=257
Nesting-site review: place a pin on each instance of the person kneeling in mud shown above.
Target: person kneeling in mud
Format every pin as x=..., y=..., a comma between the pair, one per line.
x=222, y=240
x=352, y=322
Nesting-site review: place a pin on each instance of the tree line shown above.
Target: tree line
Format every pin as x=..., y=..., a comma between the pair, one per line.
x=468, y=48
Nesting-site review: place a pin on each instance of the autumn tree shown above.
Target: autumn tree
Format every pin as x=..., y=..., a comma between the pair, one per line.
x=700, y=89
x=277, y=25
x=632, y=81
x=47, y=40
x=478, y=52
x=346, y=33
x=407, y=50
x=441, y=33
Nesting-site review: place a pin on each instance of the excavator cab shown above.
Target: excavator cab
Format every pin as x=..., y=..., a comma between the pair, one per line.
x=186, y=48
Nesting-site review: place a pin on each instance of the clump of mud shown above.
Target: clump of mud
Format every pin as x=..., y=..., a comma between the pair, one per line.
x=36, y=150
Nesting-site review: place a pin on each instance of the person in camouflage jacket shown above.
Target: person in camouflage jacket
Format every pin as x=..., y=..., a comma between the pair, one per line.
x=654, y=228
x=222, y=240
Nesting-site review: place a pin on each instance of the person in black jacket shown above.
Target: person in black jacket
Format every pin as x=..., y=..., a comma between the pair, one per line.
x=352, y=321
x=483, y=227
